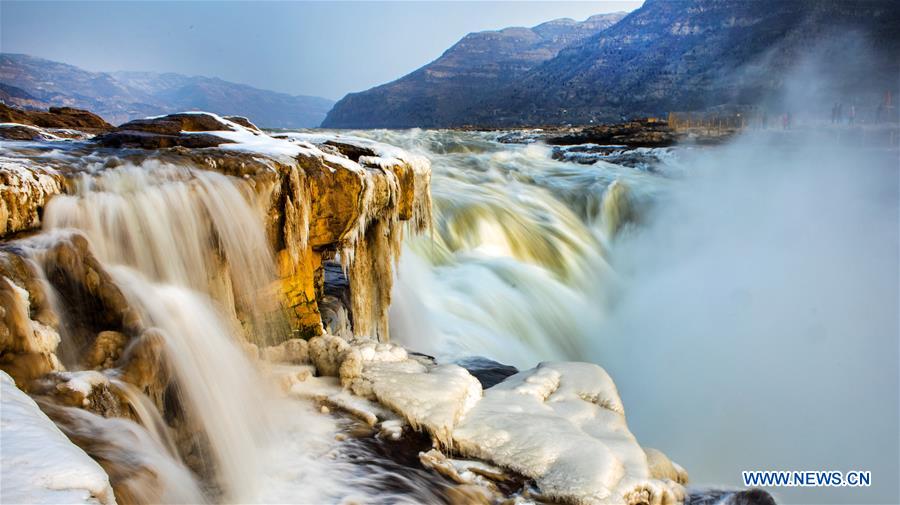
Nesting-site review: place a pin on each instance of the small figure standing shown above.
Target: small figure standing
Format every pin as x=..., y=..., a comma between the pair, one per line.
x=851, y=117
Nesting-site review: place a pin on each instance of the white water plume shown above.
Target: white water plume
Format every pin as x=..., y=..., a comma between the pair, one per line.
x=184, y=246
x=758, y=326
x=220, y=389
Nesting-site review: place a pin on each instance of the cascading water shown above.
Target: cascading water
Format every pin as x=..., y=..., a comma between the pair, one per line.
x=167, y=233
x=187, y=249
x=516, y=269
x=713, y=288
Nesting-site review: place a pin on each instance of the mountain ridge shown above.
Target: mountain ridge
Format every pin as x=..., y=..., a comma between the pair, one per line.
x=121, y=96
x=667, y=55
x=480, y=63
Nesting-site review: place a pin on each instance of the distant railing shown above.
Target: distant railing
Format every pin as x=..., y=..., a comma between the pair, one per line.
x=715, y=121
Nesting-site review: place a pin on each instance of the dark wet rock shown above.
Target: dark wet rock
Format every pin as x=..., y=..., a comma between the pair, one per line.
x=643, y=133
x=55, y=117
x=354, y=152
x=641, y=158
x=728, y=497
x=521, y=137
x=488, y=372
x=12, y=131
x=241, y=120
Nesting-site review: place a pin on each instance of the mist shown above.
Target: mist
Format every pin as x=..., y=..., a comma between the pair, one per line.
x=759, y=328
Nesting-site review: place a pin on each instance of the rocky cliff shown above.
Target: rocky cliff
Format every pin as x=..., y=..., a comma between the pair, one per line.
x=664, y=56
x=479, y=65
x=118, y=97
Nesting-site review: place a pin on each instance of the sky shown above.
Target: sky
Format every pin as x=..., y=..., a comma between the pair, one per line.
x=314, y=48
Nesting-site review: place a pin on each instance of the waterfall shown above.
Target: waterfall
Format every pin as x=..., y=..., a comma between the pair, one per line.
x=516, y=269
x=192, y=228
x=735, y=293
x=188, y=251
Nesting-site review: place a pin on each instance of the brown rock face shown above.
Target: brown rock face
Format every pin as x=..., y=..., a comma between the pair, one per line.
x=56, y=117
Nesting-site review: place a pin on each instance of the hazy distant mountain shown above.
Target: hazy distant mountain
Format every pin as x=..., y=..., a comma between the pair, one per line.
x=121, y=96
x=667, y=55
x=478, y=65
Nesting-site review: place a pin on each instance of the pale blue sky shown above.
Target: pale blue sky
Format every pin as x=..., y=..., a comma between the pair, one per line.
x=317, y=48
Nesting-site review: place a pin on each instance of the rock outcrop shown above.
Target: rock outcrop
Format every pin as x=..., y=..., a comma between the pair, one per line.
x=317, y=202
x=56, y=117
x=561, y=424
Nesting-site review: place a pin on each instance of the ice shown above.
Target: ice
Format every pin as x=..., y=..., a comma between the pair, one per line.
x=39, y=464
x=563, y=425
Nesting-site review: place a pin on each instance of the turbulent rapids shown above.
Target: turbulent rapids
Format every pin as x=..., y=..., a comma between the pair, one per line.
x=517, y=268
x=212, y=313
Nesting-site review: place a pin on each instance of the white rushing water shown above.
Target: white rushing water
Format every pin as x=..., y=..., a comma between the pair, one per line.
x=162, y=232
x=749, y=316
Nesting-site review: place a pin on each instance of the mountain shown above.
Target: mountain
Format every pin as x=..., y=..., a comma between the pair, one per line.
x=480, y=64
x=118, y=97
x=668, y=55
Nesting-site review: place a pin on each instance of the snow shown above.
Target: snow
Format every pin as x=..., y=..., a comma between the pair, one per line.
x=299, y=382
x=39, y=464
x=83, y=382
x=39, y=133
x=563, y=425
x=386, y=155
x=430, y=397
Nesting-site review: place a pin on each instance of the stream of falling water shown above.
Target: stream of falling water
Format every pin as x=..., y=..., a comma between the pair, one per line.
x=164, y=233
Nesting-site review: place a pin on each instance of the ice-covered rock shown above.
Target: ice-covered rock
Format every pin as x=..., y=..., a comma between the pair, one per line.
x=563, y=424
x=39, y=464
x=25, y=188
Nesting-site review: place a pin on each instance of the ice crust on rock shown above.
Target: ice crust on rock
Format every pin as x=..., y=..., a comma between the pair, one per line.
x=563, y=425
x=39, y=464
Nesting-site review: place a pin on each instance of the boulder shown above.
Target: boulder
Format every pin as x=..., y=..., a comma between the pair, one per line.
x=171, y=131
x=56, y=117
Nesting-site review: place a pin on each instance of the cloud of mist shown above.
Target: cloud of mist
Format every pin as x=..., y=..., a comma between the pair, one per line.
x=759, y=326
